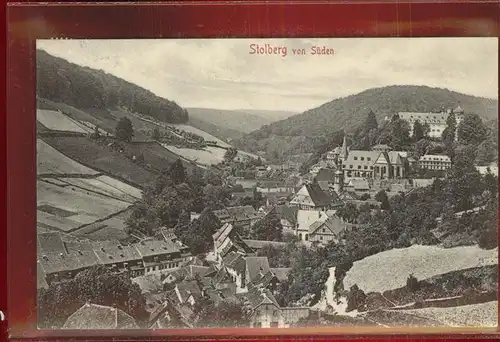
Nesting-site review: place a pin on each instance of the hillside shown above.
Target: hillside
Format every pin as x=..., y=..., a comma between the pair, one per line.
x=61, y=81
x=346, y=113
x=244, y=121
x=222, y=133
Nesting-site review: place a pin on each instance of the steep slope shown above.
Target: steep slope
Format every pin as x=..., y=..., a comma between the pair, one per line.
x=244, y=121
x=348, y=112
x=82, y=87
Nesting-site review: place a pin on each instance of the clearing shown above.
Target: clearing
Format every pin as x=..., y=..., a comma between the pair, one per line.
x=390, y=269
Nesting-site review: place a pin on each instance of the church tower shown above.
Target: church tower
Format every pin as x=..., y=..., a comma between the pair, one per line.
x=338, y=185
x=344, y=153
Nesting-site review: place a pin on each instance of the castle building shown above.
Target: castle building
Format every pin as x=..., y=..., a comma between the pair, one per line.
x=436, y=121
x=380, y=163
x=434, y=162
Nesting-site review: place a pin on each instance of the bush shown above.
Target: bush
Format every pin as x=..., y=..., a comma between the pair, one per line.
x=356, y=299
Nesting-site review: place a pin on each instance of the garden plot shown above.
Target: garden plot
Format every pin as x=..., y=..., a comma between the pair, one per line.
x=474, y=315
x=57, y=121
x=51, y=161
x=390, y=269
x=67, y=208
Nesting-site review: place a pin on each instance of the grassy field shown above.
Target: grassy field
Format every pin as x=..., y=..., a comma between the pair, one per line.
x=390, y=269
x=50, y=160
x=113, y=228
x=100, y=157
x=54, y=120
x=206, y=156
x=68, y=207
x=155, y=155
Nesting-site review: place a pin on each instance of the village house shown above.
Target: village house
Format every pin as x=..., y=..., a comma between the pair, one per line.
x=57, y=262
x=331, y=229
x=287, y=215
x=227, y=240
x=312, y=197
x=325, y=179
x=241, y=217
x=270, y=186
x=159, y=255
x=170, y=237
x=119, y=258
x=266, y=312
x=306, y=218
x=188, y=292
x=92, y=316
x=436, y=121
x=434, y=162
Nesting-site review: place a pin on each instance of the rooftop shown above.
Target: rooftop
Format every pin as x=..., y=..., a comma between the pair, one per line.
x=92, y=316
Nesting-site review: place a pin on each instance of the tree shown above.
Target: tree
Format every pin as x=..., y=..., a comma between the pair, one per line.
x=381, y=197
x=198, y=235
x=230, y=154
x=177, y=172
x=418, y=131
x=370, y=122
x=348, y=213
x=156, y=135
x=222, y=314
x=124, y=129
x=471, y=130
x=269, y=228
x=412, y=283
x=96, y=285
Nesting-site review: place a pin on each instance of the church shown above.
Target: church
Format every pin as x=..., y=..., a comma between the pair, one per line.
x=378, y=163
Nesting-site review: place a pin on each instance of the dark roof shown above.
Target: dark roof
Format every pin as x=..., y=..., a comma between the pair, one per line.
x=92, y=316
x=153, y=247
x=325, y=175
x=223, y=232
x=256, y=266
x=235, y=261
x=200, y=271
x=236, y=214
x=287, y=212
x=317, y=195
x=262, y=280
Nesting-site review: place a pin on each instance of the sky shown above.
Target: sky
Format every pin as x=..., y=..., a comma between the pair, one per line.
x=223, y=74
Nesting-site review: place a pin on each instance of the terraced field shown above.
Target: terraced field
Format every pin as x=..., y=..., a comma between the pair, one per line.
x=67, y=208
x=51, y=161
x=102, y=158
x=57, y=121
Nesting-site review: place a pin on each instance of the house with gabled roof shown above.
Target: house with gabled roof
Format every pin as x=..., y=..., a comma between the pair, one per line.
x=93, y=317
x=265, y=312
x=241, y=217
x=227, y=240
x=312, y=197
x=331, y=229
x=188, y=291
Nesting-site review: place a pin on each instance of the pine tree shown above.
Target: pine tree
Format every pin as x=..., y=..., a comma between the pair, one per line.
x=418, y=131
x=371, y=121
x=177, y=172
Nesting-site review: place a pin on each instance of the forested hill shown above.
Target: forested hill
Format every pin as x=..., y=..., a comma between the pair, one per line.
x=82, y=87
x=348, y=112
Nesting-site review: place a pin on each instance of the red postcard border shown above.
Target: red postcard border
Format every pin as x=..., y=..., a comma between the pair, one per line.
x=30, y=21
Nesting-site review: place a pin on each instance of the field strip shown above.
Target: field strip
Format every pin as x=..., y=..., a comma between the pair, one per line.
x=78, y=230
x=95, y=192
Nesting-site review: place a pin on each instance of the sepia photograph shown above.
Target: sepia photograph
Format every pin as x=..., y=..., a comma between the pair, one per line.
x=267, y=183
